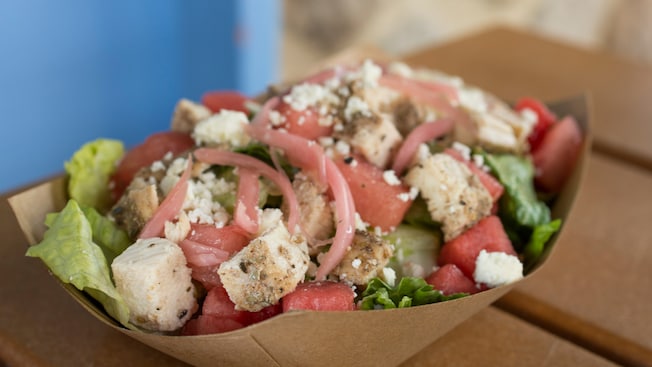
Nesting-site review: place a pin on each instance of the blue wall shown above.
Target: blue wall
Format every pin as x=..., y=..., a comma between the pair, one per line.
x=72, y=71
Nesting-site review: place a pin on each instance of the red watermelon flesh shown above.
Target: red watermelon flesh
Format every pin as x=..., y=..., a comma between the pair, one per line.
x=449, y=279
x=488, y=234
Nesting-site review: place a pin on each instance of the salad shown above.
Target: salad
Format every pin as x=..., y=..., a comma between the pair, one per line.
x=362, y=187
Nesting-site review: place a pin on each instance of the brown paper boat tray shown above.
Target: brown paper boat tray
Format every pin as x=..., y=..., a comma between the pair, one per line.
x=360, y=338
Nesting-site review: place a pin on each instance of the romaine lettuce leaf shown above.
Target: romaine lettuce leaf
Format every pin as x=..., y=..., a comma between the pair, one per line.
x=71, y=255
x=539, y=238
x=519, y=203
x=112, y=239
x=90, y=169
x=409, y=292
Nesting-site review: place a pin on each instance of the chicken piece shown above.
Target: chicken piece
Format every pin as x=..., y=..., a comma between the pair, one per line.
x=499, y=128
x=136, y=206
x=373, y=136
x=495, y=134
x=406, y=116
x=152, y=277
x=316, y=213
x=268, y=268
x=365, y=260
x=454, y=195
x=187, y=114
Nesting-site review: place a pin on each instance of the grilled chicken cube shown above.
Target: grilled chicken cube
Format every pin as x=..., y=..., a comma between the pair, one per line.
x=152, y=277
x=268, y=268
x=455, y=196
x=373, y=136
x=136, y=206
x=316, y=214
x=365, y=259
x=187, y=114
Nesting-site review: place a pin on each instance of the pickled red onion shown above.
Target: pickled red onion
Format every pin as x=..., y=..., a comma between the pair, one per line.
x=246, y=213
x=222, y=157
x=170, y=206
x=345, y=229
x=414, y=87
x=310, y=157
x=421, y=134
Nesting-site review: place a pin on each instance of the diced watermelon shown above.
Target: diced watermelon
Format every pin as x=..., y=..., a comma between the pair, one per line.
x=488, y=181
x=225, y=100
x=545, y=119
x=304, y=123
x=229, y=238
x=320, y=296
x=208, y=324
x=378, y=202
x=488, y=234
x=207, y=246
x=449, y=279
x=264, y=314
x=556, y=156
x=217, y=303
x=154, y=148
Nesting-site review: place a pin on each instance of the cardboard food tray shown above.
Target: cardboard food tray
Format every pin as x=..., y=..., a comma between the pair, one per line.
x=361, y=338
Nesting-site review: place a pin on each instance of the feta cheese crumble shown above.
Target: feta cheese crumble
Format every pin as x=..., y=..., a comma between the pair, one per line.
x=354, y=106
x=390, y=177
x=497, y=268
x=226, y=127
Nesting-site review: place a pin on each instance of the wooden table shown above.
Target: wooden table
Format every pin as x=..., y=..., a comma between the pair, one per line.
x=589, y=306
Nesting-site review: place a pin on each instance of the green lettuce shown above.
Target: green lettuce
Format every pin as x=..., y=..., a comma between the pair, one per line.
x=538, y=240
x=70, y=253
x=520, y=202
x=112, y=239
x=409, y=292
x=90, y=169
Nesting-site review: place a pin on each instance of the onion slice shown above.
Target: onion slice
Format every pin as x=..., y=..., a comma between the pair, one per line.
x=310, y=157
x=345, y=229
x=227, y=158
x=246, y=212
x=169, y=208
x=421, y=134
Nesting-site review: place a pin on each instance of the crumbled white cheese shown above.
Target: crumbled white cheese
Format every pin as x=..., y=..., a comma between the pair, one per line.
x=200, y=205
x=354, y=106
x=173, y=174
x=359, y=223
x=342, y=147
x=404, y=197
x=326, y=121
x=356, y=263
x=464, y=150
x=177, y=231
x=225, y=127
x=497, y=268
x=157, y=166
x=307, y=95
x=367, y=75
x=390, y=177
x=276, y=118
x=326, y=141
x=400, y=69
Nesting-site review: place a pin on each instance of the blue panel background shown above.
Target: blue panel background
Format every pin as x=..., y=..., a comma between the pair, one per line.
x=72, y=71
